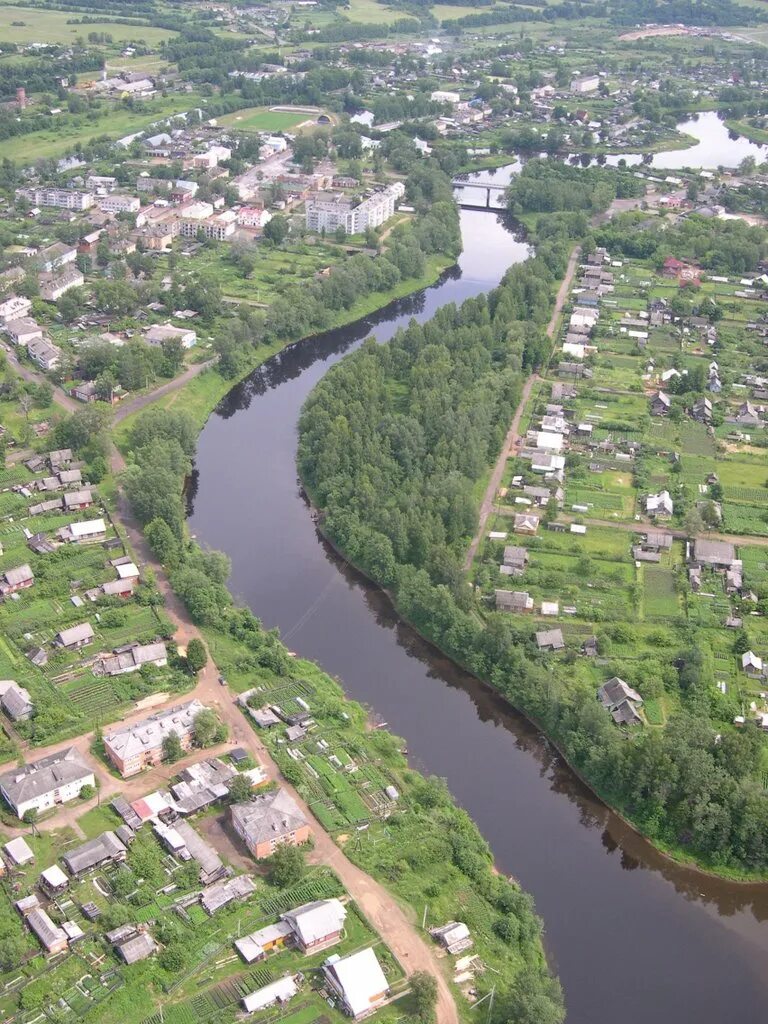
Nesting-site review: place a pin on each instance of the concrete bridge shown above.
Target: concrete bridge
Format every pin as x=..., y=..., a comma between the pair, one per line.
x=476, y=195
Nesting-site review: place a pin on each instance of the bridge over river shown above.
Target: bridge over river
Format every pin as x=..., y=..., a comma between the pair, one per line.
x=477, y=195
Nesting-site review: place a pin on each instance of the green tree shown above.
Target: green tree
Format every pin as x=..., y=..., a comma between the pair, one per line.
x=172, y=748
x=240, y=789
x=207, y=728
x=276, y=229
x=424, y=994
x=87, y=792
x=163, y=542
x=197, y=656
x=286, y=865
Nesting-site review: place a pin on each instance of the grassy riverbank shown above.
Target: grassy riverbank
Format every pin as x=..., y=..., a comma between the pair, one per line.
x=202, y=394
x=749, y=131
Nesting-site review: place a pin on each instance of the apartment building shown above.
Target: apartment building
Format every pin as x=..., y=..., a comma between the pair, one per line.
x=328, y=211
x=40, y=785
x=117, y=202
x=64, y=198
x=134, y=747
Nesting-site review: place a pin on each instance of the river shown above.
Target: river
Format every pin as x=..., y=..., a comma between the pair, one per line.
x=630, y=935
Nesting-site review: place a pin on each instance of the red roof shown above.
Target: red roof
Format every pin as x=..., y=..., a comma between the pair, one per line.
x=670, y=263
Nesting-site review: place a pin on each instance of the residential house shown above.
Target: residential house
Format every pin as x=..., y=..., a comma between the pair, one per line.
x=14, y=308
x=159, y=333
x=135, y=656
x=55, y=256
x=87, y=532
x=15, y=701
x=317, y=925
x=358, y=981
x=550, y=640
x=40, y=785
x=76, y=500
x=621, y=701
x=133, y=747
x=13, y=580
x=751, y=664
x=515, y=559
x=44, y=353
x=221, y=894
x=104, y=849
x=660, y=404
x=513, y=600
x=268, y=820
x=659, y=505
x=58, y=283
x=51, y=937
x=526, y=522
x=717, y=554
x=75, y=637
x=702, y=410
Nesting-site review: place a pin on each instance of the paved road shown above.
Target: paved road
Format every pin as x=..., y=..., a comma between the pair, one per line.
x=511, y=441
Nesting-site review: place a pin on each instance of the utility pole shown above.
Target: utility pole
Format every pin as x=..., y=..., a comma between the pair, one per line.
x=424, y=918
x=489, y=996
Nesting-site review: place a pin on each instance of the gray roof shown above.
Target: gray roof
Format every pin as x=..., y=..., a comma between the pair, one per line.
x=268, y=816
x=48, y=933
x=96, y=851
x=75, y=498
x=44, y=776
x=550, y=638
x=17, y=703
x=514, y=555
x=219, y=895
x=656, y=539
x=138, y=948
x=149, y=733
x=616, y=691
x=713, y=552
x=20, y=574
x=211, y=865
x=75, y=634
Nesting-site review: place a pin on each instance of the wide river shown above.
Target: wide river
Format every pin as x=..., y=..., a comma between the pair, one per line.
x=631, y=936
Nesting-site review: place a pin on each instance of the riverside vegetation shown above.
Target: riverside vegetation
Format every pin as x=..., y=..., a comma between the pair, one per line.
x=394, y=442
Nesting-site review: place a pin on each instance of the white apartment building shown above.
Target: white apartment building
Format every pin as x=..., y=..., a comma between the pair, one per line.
x=327, y=211
x=119, y=203
x=42, y=784
x=441, y=96
x=14, y=308
x=218, y=227
x=253, y=217
x=65, y=198
x=587, y=83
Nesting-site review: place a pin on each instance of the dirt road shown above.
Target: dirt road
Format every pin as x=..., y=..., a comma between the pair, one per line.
x=512, y=439
x=142, y=401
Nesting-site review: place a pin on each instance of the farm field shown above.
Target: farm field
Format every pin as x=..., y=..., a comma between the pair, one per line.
x=24, y=25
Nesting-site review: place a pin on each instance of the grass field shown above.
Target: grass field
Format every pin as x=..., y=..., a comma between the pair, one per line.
x=260, y=119
x=370, y=12
x=27, y=25
x=116, y=122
